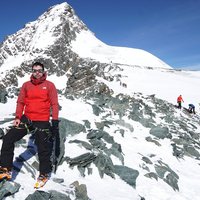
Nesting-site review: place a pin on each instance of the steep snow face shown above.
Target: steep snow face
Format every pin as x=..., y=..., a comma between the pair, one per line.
x=87, y=45
x=42, y=33
x=50, y=25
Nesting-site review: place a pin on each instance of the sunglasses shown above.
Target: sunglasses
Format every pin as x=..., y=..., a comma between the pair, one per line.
x=38, y=70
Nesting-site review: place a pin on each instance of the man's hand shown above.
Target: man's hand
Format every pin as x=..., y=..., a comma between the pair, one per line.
x=17, y=122
x=54, y=127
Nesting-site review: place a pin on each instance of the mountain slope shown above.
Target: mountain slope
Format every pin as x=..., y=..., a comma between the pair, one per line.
x=87, y=45
x=107, y=137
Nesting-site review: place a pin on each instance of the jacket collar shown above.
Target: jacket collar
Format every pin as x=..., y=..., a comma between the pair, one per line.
x=38, y=81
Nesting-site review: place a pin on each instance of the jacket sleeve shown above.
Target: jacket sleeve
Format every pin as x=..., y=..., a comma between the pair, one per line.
x=53, y=96
x=21, y=102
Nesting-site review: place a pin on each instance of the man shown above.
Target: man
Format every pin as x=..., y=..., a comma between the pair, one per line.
x=179, y=101
x=36, y=99
x=191, y=108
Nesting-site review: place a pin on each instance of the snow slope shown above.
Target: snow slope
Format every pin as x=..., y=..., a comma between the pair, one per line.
x=87, y=45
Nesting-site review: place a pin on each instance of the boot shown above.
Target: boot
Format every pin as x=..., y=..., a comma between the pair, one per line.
x=41, y=180
x=5, y=173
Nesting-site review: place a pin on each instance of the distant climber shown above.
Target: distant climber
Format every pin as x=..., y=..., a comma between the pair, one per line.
x=179, y=101
x=191, y=108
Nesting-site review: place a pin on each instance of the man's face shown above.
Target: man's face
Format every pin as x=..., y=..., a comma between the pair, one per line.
x=37, y=71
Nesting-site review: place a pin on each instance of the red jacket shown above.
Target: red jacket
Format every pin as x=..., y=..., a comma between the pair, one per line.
x=180, y=99
x=36, y=99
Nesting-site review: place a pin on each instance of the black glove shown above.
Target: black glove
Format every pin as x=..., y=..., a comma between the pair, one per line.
x=54, y=127
x=25, y=122
x=24, y=119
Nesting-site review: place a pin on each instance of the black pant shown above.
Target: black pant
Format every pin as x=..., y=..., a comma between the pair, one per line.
x=192, y=110
x=179, y=104
x=44, y=146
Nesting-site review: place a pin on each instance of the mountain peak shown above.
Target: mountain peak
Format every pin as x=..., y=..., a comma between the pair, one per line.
x=54, y=29
x=60, y=29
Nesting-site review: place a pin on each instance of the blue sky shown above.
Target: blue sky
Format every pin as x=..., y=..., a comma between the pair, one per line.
x=169, y=29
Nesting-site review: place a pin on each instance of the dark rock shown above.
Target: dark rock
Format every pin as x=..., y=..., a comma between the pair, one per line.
x=68, y=127
x=80, y=191
x=1, y=133
x=149, y=139
x=8, y=188
x=58, y=180
x=127, y=174
x=152, y=175
x=38, y=195
x=55, y=195
x=83, y=143
x=3, y=96
x=104, y=165
x=167, y=174
x=82, y=160
x=146, y=160
x=160, y=132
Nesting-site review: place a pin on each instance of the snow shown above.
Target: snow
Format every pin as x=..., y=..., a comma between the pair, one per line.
x=41, y=40
x=165, y=84
x=88, y=46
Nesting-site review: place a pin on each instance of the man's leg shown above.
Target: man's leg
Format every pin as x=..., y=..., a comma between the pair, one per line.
x=44, y=146
x=44, y=152
x=7, y=149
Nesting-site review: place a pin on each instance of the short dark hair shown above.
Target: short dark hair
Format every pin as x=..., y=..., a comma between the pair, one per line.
x=38, y=63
